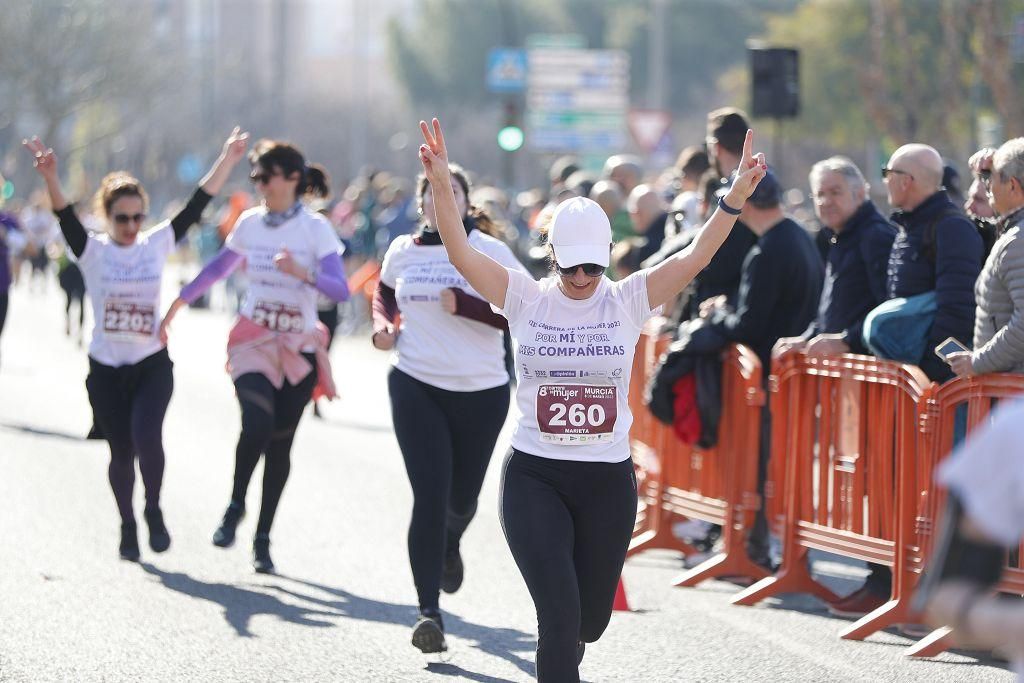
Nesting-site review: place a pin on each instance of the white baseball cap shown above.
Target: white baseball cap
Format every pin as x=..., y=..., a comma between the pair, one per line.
x=580, y=233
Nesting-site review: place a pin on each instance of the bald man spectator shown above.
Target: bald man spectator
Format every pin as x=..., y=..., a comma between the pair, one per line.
x=626, y=170
x=609, y=197
x=934, y=263
x=647, y=212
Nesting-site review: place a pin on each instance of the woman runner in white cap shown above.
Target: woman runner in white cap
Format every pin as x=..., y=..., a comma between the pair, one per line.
x=568, y=496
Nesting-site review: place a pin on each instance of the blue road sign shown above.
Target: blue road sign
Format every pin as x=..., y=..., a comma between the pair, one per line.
x=506, y=70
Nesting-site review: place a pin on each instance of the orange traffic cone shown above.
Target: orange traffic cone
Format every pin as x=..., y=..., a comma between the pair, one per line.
x=621, y=604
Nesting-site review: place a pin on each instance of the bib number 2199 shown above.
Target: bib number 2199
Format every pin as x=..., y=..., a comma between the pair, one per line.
x=576, y=414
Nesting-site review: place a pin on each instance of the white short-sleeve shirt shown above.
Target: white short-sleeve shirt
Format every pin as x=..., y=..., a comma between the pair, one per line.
x=276, y=300
x=444, y=350
x=124, y=287
x=573, y=364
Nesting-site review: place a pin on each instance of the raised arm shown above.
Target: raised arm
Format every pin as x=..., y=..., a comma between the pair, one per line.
x=46, y=165
x=669, y=277
x=212, y=183
x=487, y=276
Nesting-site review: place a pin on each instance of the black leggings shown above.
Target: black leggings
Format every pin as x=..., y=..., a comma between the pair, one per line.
x=568, y=525
x=129, y=403
x=446, y=439
x=269, y=419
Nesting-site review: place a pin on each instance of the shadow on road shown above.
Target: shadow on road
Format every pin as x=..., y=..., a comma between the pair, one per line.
x=240, y=604
x=39, y=431
x=503, y=643
x=446, y=669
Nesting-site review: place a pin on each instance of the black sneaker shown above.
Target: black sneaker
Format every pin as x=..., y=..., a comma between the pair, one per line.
x=261, y=561
x=159, y=538
x=428, y=633
x=581, y=649
x=451, y=578
x=129, y=548
x=224, y=536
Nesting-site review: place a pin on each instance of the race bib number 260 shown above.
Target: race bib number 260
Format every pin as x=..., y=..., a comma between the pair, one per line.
x=576, y=414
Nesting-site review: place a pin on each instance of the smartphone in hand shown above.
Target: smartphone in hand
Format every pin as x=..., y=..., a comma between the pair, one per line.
x=950, y=345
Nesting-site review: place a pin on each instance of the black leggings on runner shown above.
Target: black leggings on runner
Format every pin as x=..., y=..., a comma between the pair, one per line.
x=269, y=419
x=129, y=403
x=568, y=525
x=446, y=439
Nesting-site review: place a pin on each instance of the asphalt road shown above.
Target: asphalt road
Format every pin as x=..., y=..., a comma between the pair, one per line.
x=342, y=606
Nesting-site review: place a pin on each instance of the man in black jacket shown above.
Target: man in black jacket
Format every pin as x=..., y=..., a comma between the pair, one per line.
x=937, y=250
x=780, y=285
x=855, y=276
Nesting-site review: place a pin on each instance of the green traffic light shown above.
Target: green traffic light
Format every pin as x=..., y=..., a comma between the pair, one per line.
x=8, y=190
x=510, y=138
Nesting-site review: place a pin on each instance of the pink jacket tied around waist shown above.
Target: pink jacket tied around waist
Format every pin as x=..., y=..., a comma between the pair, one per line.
x=278, y=355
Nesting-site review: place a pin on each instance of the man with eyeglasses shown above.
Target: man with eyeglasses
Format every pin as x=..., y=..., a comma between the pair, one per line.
x=998, y=326
x=934, y=263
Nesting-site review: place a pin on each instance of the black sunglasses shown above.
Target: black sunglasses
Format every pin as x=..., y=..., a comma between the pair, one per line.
x=262, y=177
x=886, y=172
x=125, y=218
x=589, y=269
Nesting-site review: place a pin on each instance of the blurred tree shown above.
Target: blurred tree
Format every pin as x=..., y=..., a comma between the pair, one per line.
x=59, y=56
x=900, y=70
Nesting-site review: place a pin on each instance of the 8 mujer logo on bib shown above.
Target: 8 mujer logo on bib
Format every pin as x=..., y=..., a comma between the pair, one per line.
x=576, y=414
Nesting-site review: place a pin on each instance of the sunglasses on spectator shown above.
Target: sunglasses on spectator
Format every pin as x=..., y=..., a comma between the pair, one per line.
x=886, y=172
x=589, y=269
x=126, y=218
x=986, y=177
x=261, y=177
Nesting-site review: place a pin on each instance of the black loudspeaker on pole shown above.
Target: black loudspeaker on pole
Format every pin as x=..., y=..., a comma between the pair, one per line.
x=774, y=82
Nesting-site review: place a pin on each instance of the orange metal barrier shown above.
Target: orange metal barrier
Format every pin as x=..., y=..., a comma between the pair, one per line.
x=937, y=424
x=845, y=431
x=680, y=481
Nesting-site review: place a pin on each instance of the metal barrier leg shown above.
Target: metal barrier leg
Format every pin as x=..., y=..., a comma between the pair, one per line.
x=933, y=644
x=723, y=564
x=659, y=535
x=893, y=612
x=793, y=577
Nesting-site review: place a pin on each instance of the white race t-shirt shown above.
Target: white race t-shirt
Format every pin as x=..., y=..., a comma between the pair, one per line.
x=444, y=350
x=276, y=300
x=573, y=362
x=124, y=286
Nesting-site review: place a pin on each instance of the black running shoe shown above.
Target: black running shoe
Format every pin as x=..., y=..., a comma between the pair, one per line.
x=224, y=536
x=159, y=538
x=261, y=561
x=129, y=548
x=581, y=648
x=428, y=633
x=451, y=578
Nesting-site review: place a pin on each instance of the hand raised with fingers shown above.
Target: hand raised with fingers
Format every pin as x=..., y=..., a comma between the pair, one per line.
x=235, y=145
x=749, y=173
x=433, y=153
x=45, y=159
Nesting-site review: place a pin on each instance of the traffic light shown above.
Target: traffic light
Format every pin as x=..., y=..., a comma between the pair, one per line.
x=8, y=190
x=510, y=138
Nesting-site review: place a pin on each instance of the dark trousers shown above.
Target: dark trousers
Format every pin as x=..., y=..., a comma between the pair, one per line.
x=129, y=403
x=568, y=525
x=269, y=419
x=446, y=439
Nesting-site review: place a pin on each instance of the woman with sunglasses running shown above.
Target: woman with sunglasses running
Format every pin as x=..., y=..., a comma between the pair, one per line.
x=130, y=379
x=277, y=351
x=448, y=387
x=568, y=496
